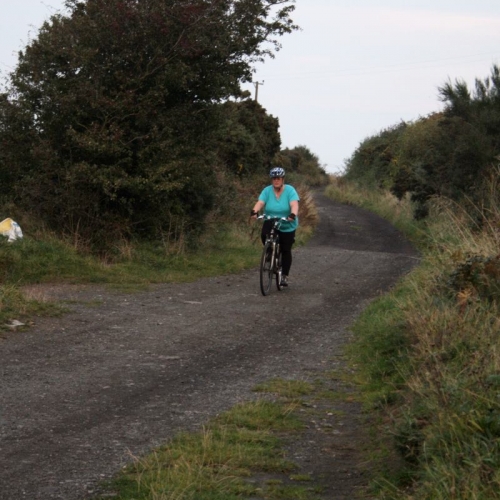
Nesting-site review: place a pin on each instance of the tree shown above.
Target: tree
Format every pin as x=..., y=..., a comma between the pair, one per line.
x=444, y=154
x=373, y=161
x=249, y=139
x=450, y=153
x=302, y=165
x=119, y=103
x=438, y=155
x=479, y=108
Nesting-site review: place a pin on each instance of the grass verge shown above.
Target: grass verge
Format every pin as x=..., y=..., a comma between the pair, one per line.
x=428, y=357
x=243, y=453
x=215, y=462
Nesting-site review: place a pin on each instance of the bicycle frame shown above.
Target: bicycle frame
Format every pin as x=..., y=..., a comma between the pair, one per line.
x=271, y=256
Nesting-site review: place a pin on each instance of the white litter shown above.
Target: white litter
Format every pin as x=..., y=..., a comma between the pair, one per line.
x=11, y=229
x=14, y=324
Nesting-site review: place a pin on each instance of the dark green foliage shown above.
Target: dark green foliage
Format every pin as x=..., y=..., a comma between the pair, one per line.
x=111, y=123
x=371, y=163
x=302, y=166
x=249, y=139
x=439, y=155
x=444, y=154
x=481, y=107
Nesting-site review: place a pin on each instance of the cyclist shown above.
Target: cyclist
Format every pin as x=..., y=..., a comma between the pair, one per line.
x=280, y=200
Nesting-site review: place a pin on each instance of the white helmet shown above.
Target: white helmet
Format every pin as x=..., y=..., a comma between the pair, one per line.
x=277, y=172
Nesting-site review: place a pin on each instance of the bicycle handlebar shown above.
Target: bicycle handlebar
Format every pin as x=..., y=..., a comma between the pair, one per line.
x=269, y=217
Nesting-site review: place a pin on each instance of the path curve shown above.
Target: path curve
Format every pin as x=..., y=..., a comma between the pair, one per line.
x=124, y=372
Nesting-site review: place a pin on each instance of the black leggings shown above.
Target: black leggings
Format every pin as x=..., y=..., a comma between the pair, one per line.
x=286, y=242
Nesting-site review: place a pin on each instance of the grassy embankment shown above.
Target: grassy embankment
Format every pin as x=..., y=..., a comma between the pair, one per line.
x=428, y=353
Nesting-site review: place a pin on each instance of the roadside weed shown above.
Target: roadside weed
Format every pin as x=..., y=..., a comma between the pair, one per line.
x=14, y=305
x=215, y=463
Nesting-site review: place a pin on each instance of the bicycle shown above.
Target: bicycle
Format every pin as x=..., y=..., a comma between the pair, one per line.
x=270, y=262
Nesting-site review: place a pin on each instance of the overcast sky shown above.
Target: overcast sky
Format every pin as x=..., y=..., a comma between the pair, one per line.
x=355, y=68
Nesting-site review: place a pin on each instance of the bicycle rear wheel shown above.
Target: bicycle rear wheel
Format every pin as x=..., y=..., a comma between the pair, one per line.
x=266, y=268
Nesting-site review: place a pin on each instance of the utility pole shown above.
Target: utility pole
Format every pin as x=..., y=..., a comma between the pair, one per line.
x=257, y=90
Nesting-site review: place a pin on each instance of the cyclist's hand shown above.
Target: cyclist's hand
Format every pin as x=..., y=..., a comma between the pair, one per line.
x=253, y=214
x=291, y=217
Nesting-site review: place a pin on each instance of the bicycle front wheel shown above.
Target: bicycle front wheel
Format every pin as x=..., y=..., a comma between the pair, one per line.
x=278, y=270
x=266, y=268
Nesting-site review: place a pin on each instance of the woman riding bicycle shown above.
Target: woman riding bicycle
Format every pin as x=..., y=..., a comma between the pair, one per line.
x=280, y=200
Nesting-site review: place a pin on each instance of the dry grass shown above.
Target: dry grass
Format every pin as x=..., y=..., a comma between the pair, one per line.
x=308, y=213
x=431, y=352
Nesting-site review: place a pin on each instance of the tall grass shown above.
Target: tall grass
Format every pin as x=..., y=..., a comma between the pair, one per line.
x=429, y=356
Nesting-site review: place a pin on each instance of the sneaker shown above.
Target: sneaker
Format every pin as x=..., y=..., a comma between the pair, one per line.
x=284, y=280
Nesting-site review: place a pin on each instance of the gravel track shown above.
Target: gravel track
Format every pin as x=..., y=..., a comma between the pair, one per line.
x=122, y=373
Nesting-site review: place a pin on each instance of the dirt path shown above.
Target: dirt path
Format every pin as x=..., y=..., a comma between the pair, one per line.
x=123, y=373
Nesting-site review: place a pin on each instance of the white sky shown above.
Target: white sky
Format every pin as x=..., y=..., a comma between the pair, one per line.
x=355, y=68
